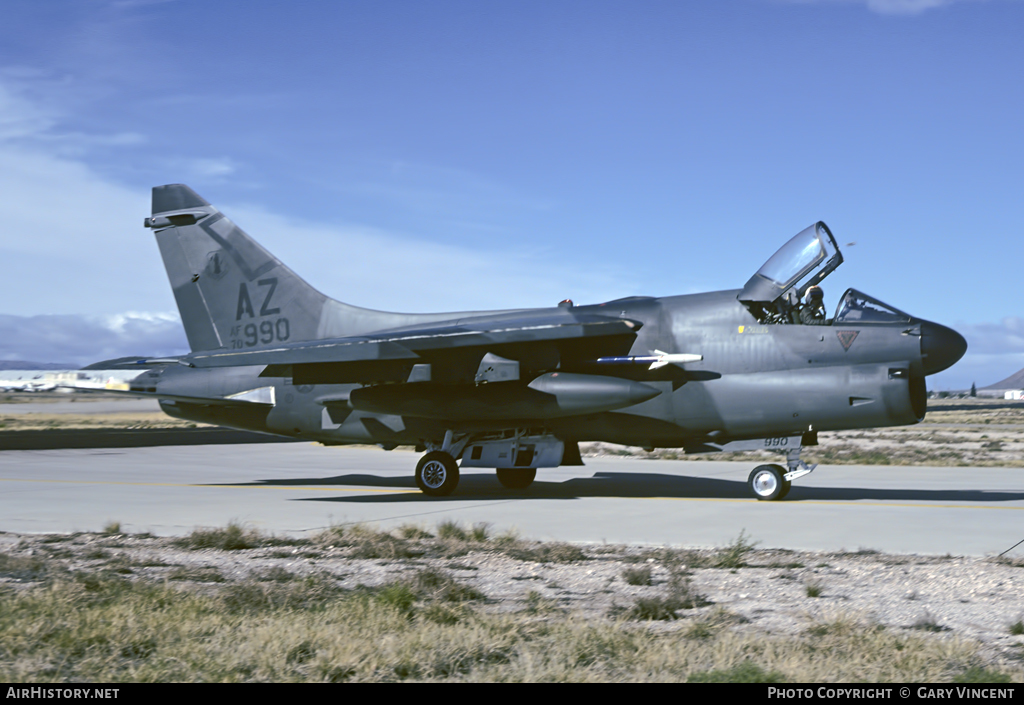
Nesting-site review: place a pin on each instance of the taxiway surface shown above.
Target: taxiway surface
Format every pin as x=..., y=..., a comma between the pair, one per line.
x=297, y=488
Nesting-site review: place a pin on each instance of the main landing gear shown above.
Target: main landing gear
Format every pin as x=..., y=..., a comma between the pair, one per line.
x=516, y=478
x=771, y=482
x=437, y=473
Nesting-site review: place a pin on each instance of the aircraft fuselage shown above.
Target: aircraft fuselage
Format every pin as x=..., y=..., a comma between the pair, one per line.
x=753, y=381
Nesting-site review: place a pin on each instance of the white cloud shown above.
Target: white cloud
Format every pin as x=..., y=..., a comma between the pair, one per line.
x=21, y=117
x=994, y=351
x=81, y=340
x=1005, y=337
x=72, y=241
x=887, y=7
x=210, y=168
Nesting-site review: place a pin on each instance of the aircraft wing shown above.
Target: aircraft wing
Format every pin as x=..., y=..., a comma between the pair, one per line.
x=391, y=353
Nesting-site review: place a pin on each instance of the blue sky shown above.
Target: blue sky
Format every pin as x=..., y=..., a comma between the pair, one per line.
x=450, y=155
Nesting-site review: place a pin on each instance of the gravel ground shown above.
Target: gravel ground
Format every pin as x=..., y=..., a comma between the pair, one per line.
x=768, y=591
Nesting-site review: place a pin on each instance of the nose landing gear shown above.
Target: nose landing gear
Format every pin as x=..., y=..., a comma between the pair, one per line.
x=770, y=483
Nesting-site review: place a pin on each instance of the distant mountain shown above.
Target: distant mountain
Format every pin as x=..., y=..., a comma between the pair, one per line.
x=1014, y=381
x=23, y=365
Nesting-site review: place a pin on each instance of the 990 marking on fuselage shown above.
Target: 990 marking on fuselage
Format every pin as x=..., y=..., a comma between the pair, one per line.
x=780, y=442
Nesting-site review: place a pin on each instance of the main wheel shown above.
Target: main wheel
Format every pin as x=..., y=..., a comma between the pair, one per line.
x=437, y=474
x=767, y=482
x=517, y=478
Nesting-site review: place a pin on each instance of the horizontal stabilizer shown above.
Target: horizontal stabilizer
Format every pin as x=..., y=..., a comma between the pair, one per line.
x=205, y=401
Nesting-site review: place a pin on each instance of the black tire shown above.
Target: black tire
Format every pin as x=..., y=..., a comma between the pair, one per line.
x=437, y=474
x=766, y=482
x=786, y=486
x=516, y=478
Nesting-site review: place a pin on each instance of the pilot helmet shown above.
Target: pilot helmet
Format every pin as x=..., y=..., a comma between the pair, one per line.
x=815, y=292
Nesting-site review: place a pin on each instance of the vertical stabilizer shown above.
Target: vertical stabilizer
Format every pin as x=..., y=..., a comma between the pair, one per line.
x=231, y=292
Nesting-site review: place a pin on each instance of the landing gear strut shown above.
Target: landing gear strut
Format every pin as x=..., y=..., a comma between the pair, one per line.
x=772, y=483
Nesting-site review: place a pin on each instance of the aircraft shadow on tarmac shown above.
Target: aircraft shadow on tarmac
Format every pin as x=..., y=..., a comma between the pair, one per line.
x=623, y=485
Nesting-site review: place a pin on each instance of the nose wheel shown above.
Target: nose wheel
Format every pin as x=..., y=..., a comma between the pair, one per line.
x=437, y=474
x=768, y=483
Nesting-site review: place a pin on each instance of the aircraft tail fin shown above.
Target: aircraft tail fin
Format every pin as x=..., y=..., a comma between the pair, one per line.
x=231, y=293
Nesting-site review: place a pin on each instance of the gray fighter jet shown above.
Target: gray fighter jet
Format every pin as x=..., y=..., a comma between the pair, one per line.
x=517, y=390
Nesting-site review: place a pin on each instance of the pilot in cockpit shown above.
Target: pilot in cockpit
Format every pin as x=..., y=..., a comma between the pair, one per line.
x=813, y=311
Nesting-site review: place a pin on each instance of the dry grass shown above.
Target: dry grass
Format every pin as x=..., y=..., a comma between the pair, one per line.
x=108, y=631
x=111, y=421
x=111, y=620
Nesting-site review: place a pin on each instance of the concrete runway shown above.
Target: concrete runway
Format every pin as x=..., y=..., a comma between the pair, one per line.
x=82, y=406
x=297, y=488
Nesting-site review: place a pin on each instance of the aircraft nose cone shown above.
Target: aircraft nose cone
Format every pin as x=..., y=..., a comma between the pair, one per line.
x=941, y=347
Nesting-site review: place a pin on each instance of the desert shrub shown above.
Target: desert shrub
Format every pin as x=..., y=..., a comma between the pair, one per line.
x=233, y=537
x=23, y=567
x=198, y=574
x=637, y=576
x=928, y=623
x=439, y=586
x=977, y=674
x=735, y=554
x=746, y=672
x=679, y=595
x=546, y=553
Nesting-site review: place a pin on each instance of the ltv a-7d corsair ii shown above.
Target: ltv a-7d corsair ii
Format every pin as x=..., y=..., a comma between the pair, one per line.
x=517, y=390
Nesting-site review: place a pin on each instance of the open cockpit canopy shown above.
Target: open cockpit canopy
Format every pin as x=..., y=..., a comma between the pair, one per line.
x=802, y=262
